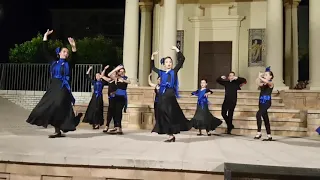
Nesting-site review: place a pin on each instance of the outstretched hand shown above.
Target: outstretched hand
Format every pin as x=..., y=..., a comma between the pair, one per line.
x=153, y=54
x=175, y=48
x=48, y=32
x=71, y=42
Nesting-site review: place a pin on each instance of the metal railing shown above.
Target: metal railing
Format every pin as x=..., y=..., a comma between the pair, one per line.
x=36, y=77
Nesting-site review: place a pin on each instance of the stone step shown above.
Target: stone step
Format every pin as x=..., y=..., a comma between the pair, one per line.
x=250, y=112
x=240, y=92
x=277, y=131
x=252, y=121
x=216, y=111
x=186, y=104
x=219, y=99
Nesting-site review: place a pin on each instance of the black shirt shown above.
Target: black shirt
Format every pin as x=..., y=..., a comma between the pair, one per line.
x=231, y=87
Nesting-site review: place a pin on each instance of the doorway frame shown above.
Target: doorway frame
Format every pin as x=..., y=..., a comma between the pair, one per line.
x=217, y=28
x=229, y=67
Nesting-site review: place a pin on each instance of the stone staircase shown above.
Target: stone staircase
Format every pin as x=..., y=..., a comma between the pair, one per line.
x=25, y=101
x=284, y=122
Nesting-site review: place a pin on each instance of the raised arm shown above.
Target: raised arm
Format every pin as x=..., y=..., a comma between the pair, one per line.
x=73, y=59
x=258, y=81
x=46, y=53
x=265, y=81
x=150, y=82
x=107, y=79
x=103, y=72
x=88, y=76
x=222, y=80
x=112, y=73
x=180, y=59
x=156, y=70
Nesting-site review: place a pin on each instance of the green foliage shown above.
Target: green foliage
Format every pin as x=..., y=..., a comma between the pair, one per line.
x=28, y=52
x=96, y=50
x=89, y=50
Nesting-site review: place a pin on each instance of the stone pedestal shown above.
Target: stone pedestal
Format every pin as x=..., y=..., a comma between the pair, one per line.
x=130, y=42
x=145, y=42
x=275, y=41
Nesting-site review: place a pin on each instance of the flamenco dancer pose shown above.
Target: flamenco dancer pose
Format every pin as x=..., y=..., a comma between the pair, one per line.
x=203, y=119
x=55, y=107
x=121, y=99
x=231, y=85
x=156, y=98
x=94, y=113
x=171, y=119
x=112, y=87
x=264, y=81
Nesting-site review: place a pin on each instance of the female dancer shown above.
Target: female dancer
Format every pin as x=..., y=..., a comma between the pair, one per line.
x=264, y=81
x=112, y=87
x=155, y=104
x=203, y=119
x=121, y=100
x=94, y=113
x=55, y=107
x=170, y=116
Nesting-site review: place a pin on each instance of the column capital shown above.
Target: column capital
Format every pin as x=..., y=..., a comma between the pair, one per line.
x=291, y=3
x=146, y=6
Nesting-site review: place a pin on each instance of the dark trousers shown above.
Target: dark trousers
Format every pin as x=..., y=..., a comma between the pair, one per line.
x=227, y=112
x=111, y=111
x=120, y=102
x=263, y=112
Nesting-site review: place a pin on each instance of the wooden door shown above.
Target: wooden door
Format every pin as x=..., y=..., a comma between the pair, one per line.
x=215, y=59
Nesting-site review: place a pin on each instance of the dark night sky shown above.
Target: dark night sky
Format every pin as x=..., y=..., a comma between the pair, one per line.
x=23, y=19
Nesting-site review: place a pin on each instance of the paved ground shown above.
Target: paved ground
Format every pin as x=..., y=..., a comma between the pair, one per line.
x=22, y=142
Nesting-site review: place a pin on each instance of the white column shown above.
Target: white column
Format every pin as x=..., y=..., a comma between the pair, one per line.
x=169, y=28
x=314, y=44
x=288, y=45
x=295, y=42
x=275, y=41
x=131, y=41
x=145, y=43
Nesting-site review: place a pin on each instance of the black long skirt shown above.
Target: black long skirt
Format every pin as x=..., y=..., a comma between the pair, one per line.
x=156, y=125
x=94, y=113
x=203, y=119
x=55, y=108
x=171, y=119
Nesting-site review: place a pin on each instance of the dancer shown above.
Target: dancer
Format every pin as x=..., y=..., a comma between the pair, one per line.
x=94, y=113
x=231, y=85
x=112, y=87
x=121, y=99
x=55, y=107
x=170, y=116
x=156, y=98
x=264, y=81
x=203, y=119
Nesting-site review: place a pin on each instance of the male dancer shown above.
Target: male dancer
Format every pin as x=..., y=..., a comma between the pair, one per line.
x=231, y=85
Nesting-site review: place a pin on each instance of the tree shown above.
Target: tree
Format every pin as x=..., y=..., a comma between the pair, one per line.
x=30, y=51
x=96, y=50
